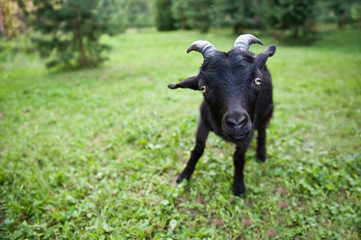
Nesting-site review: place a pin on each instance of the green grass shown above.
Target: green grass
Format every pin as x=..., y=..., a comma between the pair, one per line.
x=94, y=154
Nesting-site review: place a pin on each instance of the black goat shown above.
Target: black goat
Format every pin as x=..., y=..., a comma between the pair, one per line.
x=237, y=91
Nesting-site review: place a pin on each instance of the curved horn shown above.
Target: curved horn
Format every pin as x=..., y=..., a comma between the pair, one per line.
x=244, y=41
x=206, y=48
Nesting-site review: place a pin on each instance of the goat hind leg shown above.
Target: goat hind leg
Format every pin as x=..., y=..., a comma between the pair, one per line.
x=261, y=145
x=201, y=137
x=261, y=124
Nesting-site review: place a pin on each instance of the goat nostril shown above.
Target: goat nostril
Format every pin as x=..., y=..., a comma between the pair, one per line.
x=237, y=121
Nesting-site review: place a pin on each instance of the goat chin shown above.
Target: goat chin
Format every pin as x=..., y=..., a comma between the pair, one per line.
x=240, y=140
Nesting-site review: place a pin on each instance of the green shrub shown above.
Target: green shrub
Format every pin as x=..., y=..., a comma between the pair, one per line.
x=193, y=14
x=138, y=13
x=164, y=20
x=294, y=17
x=70, y=31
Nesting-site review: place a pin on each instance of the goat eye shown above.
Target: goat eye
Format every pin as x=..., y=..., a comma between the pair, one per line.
x=204, y=89
x=258, y=81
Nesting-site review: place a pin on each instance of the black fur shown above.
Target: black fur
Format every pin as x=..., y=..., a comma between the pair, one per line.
x=233, y=106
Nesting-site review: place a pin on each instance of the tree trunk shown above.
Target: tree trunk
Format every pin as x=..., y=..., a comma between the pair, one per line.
x=83, y=61
x=296, y=33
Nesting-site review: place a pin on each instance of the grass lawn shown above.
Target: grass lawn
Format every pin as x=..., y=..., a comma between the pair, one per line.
x=94, y=154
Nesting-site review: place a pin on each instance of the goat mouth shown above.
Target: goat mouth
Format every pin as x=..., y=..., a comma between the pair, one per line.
x=239, y=137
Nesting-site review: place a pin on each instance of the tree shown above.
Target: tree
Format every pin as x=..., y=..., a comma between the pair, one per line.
x=341, y=12
x=294, y=15
x=355, y=13
x=164, y=20
x=11, y=22
x=238, y=14
x=180, y=11
x=191, y=14
x=138, y=13
x=70, y=30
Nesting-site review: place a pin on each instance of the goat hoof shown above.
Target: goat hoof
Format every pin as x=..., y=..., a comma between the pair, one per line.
x=261, y=157
x=183, y=176
x=238, y=189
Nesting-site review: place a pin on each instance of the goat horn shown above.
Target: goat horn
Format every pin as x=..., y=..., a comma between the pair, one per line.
x=244, y=41
x=206, y=48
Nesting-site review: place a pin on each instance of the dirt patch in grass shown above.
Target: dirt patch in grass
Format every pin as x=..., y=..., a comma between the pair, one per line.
x=247, y=222
x=2, y=218
x=218, y=222
x=283, y=204
x=281, y=190
x=271, y=234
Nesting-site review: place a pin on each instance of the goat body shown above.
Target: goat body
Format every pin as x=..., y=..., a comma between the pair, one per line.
x=237, y=91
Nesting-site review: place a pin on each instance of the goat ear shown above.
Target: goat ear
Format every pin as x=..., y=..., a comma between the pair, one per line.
x=191, y=82
x=262, y=57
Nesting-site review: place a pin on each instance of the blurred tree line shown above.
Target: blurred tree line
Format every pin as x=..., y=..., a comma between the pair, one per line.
x=11, y=19
x=67, y=32
x=296, y=16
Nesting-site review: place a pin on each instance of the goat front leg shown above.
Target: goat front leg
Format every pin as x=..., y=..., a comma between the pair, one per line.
x=261, y=145
x=239, y=161
x=201, y=137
